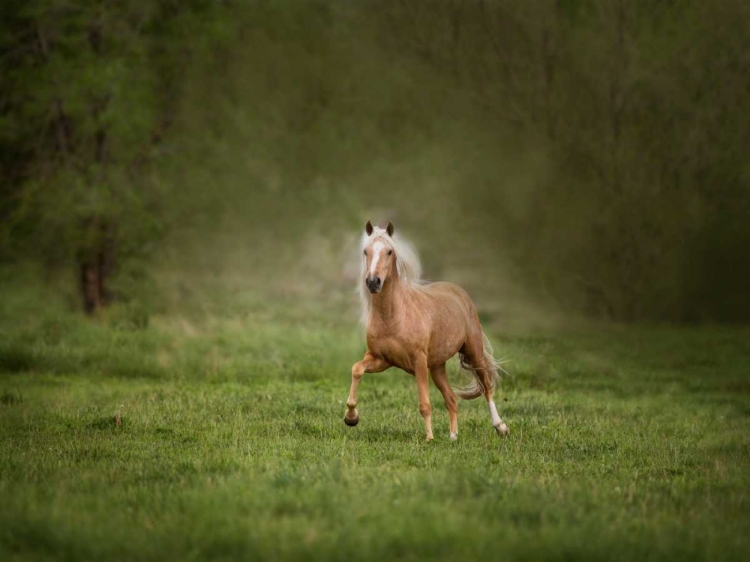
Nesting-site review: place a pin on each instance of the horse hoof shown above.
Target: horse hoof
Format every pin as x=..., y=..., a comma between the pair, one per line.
x=502, y=430
x=454, y=436
x=352, y=422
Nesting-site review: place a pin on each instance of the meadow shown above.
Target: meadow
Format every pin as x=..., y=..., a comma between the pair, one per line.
x=627, y=443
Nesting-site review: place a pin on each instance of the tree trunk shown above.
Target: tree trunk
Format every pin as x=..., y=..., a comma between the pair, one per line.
x=91, y=286
x=96, y=266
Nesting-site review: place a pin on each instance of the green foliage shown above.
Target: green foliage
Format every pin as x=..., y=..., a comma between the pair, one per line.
x=89, y=93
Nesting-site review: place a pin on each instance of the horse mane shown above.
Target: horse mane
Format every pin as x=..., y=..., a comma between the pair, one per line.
x=407, y=264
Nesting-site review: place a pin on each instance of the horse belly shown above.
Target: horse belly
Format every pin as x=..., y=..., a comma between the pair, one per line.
x=442, y=349
x=450, y=329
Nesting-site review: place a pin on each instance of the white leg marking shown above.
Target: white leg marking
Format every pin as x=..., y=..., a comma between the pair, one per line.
x=493, y=412
x=497, y=423
x=454, y=436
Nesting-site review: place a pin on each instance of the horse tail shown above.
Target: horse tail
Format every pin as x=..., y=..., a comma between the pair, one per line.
x=476, y=385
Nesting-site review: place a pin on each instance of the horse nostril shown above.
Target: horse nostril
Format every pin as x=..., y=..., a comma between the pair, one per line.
x=373, y=283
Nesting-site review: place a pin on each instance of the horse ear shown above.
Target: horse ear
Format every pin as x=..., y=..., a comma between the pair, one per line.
x=390, y=228
x=368, y=228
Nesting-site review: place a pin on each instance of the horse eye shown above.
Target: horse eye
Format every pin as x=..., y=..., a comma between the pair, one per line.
x=390, y=252
x=365, y=252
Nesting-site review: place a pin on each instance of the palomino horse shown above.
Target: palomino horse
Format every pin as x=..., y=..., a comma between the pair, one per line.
x=417, y=327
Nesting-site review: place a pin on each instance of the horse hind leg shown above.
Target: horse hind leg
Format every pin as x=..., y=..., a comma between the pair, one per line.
x=497, y=423
x=485, y=371
x=440, y=379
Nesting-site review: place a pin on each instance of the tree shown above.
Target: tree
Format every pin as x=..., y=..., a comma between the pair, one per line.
x=89, y=92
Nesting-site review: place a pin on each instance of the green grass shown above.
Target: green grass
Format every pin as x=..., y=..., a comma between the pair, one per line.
x=626, y=444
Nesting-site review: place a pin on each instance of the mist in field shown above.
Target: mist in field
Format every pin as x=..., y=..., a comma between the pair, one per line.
x=560, y=159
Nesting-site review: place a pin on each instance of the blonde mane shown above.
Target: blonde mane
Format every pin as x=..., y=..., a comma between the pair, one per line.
x=407, y=264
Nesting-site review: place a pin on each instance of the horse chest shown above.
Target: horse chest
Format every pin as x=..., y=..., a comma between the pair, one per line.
x=398, y=351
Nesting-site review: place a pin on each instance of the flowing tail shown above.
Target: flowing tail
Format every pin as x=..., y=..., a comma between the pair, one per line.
x=476, y=386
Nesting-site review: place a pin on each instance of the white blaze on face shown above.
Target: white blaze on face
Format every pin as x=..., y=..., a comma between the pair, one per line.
x=377, y=249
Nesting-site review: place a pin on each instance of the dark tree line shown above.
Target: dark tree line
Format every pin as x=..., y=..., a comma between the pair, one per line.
x=641, y=112
x=89, y=91
x=600, y=147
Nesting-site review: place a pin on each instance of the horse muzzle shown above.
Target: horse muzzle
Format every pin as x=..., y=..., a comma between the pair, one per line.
x=374, y=284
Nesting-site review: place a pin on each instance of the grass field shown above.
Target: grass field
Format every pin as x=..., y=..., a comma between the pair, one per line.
x=626, y=444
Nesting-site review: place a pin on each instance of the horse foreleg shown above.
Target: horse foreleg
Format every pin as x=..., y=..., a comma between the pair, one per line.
x=369, y=364
x=440, y=379
x=423, y=388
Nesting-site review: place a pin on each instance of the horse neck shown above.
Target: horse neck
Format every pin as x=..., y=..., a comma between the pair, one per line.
x=387, y=304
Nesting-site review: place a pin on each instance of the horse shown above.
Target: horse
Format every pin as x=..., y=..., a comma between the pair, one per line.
x=417, y=327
